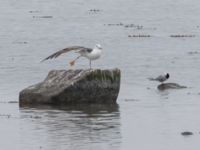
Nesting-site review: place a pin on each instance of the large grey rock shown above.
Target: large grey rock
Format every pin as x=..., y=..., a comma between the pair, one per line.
x=74, y=86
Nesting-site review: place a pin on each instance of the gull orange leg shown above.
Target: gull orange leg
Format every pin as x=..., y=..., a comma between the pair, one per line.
x=90, y=64
x=73, y=61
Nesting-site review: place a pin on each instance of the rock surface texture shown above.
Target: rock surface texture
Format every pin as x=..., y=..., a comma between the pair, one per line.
x=74, y=86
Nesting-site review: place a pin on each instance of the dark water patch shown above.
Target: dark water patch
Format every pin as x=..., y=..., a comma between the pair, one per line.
x=32, y=116
x=86, y=108
x=36, y=117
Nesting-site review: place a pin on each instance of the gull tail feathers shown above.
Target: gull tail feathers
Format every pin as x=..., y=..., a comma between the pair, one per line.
x=151, y=79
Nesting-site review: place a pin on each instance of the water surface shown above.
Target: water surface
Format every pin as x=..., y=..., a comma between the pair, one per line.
x=145, y=118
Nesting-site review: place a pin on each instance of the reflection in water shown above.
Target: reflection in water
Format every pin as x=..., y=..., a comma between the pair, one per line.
x=73, y=127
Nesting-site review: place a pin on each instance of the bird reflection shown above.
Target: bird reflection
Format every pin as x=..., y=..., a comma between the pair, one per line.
x=77, y=124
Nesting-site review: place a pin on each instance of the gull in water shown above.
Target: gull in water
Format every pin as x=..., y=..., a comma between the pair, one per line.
x=89, y=53
x=160, y=78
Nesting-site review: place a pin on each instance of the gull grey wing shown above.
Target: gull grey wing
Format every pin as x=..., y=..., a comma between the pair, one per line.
x=84, y=50
x=60, y=52
x=160, y=78
x=89, y=50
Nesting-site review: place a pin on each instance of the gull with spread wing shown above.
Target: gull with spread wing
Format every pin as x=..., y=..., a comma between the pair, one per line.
x=89, y=53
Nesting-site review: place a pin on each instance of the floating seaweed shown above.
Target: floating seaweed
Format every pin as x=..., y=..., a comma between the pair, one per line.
x=20, y=42
x=193, y=52
x=42, y=16
x=5, y=115
x=139, y=35
x=114, y=24
x=139, y=27
x=94, y=10
x=133, y=100
x=182, y=35
x=33, y=11
x=186, y=133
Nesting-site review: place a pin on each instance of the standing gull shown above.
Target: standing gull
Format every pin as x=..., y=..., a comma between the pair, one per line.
x=89, y=53
x=160, y=78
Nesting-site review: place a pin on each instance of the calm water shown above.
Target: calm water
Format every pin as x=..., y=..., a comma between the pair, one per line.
x=145, y=118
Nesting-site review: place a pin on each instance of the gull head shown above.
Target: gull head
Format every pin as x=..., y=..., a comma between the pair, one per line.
x=98, y=46
x=167, y=75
